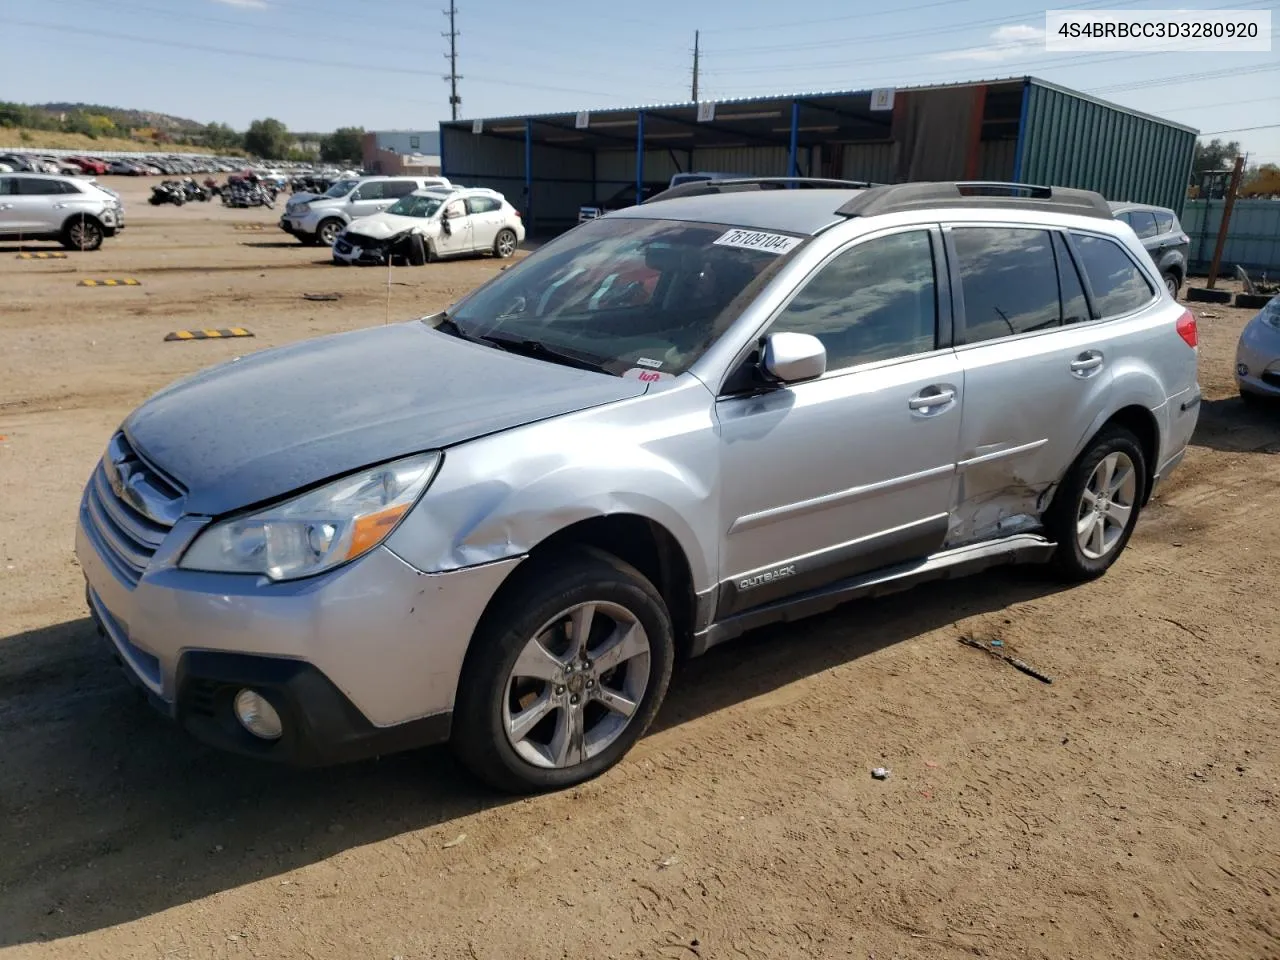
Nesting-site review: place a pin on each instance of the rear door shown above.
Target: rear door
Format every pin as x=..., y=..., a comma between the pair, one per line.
x=1036, y=371
x=37, y=204
x=487, y=219
x=1173, y=246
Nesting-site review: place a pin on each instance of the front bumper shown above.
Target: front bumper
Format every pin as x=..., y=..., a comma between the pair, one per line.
x=345, y=251
x=362, y=660
x=1258, y=359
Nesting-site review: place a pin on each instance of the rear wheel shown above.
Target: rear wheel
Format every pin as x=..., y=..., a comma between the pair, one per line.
x=565, y=674
x=504, y=245
x=328, y=232
x=82, y=233
x=1097, y=506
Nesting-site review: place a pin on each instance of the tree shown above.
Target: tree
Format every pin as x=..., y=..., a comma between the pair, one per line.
x=1214, y=155
x=268, y=139
x=344, y=145
x=219, y=136
x=1264, y=182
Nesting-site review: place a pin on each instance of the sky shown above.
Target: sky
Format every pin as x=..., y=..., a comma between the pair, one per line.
x=379, y=64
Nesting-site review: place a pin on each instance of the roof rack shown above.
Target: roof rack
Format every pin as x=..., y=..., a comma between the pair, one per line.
x=900, y=197
x=700, y=188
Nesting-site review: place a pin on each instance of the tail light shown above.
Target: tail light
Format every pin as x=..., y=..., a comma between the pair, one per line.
x=1187, y=329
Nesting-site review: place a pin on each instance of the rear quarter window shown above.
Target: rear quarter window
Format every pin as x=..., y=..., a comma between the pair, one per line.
x=1119, y=286
x=1166, y=223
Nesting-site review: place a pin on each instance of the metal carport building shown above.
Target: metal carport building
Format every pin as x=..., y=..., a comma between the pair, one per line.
x=1021, y=129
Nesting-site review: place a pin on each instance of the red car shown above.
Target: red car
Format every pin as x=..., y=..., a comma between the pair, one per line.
x=89, y=165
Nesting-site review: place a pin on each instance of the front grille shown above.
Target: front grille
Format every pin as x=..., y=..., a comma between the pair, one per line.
x=360, y=240
x=130, y=507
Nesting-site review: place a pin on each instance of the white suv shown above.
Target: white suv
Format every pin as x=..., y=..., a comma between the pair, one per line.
x=319, y=219
x=72, y=210
x=434, y=223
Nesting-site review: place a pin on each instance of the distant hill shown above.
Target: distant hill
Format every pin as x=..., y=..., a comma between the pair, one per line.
x=121, y=117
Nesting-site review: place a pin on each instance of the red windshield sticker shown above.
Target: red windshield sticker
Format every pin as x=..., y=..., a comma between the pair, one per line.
x=646, y=376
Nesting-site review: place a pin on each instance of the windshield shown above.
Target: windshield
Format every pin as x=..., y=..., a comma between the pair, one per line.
x=341, y=188
x=633, y=296
x=415, y=206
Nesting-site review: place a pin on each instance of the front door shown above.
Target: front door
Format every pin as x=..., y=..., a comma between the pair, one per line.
x=26, y=205
x=368, y=199
x=854, y=471
x=456, y=231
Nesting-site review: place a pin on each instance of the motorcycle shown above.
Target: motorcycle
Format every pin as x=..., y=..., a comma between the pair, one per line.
x=245, y=193
x=194, y=191
x=167, y=191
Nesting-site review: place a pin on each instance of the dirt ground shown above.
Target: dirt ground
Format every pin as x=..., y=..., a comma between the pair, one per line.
x=1128, y=810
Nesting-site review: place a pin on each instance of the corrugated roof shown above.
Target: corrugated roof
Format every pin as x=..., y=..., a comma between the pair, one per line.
x=815, y=94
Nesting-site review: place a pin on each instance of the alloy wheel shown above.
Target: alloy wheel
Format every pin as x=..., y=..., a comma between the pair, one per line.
x=576, y=685
x=1106, y=505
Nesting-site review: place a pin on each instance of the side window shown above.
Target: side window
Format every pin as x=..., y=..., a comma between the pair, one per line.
x=1143, y=223
x=38, y=187
x=370, y=191
x=68, y=186
x=398, y=188
x=875, y=301
x=455, y=209
x=1075, y=307
x=6, y=186
x=1119, y=287
x=481, y=205
x=1009, y=279
x=1165, y=223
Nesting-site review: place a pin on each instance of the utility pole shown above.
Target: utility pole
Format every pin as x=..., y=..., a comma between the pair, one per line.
x=695, y=65
x=1226, y=221
x=455, y=101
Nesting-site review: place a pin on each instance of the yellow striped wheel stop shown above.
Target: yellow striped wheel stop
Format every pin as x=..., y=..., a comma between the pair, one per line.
x=253, y=226
x=42, y=256
x=208, y=334
x=126, y=282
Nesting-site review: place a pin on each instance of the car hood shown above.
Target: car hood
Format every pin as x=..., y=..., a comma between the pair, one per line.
x=379, y=226
x=261, y=427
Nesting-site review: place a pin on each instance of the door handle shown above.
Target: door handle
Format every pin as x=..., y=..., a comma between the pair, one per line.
x=926, y=400
x=1087, y=364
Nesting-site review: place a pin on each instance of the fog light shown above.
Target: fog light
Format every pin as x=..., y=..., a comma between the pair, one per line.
x=1242, y=369
x=258, y=716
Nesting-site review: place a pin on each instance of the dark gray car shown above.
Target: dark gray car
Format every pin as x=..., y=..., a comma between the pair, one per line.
x=1161, y=233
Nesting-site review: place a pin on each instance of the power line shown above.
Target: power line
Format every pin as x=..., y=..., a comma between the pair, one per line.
x=1184, y=78
x=1265, y=126
x=860, y=17
x=455, y=101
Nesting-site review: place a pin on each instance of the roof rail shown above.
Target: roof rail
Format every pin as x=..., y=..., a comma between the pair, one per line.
x=900, y=197
x=700, y=188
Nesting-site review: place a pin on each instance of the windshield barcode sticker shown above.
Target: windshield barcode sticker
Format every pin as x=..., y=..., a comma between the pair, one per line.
x=758, y=240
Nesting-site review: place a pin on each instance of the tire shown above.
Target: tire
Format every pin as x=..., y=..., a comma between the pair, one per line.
x=535, y=610
x=1172, y=283
x=504, y=244
x=1255, y=400
x=1085, y=555
x=328, y=231
x=417, y=255
x=82, y=233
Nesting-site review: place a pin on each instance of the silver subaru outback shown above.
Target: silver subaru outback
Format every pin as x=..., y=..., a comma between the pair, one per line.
x=499, y=525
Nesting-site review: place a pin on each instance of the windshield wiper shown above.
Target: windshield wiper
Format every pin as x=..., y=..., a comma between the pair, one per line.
x=538, y=349
x=450, y=326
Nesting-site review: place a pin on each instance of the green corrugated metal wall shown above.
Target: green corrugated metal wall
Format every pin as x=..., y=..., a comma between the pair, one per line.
x=1069, y=141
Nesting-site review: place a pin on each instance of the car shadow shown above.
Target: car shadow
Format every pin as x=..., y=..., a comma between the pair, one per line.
x=101, y=795
x=1233, y=425
x=273, y=244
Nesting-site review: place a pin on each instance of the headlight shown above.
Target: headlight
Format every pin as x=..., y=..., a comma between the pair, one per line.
x=318, y=530
x=302, y=208
x=1271, y=313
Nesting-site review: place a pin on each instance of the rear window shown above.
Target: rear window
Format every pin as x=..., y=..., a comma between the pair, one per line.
x=634, y=296
x=1143, y=223
x=1119, y=287
x=1166, y=223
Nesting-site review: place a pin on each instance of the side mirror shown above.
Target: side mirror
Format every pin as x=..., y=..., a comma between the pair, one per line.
x=354, y=197
x=794, y=357
x=452, y=213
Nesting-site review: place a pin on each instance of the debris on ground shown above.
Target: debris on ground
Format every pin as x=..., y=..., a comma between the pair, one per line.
x=669, y=862
x=322, y=296
x=880, y=773
x=455, y=841
x=994, y=649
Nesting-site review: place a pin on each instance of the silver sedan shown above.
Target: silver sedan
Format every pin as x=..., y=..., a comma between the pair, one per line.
x=1258, y=354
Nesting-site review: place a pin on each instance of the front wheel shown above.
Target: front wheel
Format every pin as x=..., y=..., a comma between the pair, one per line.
x=328, y=232
x=1172, y=284
x=504, y=245
x=1097, y=506
x=566, y=672
x=82, y=234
